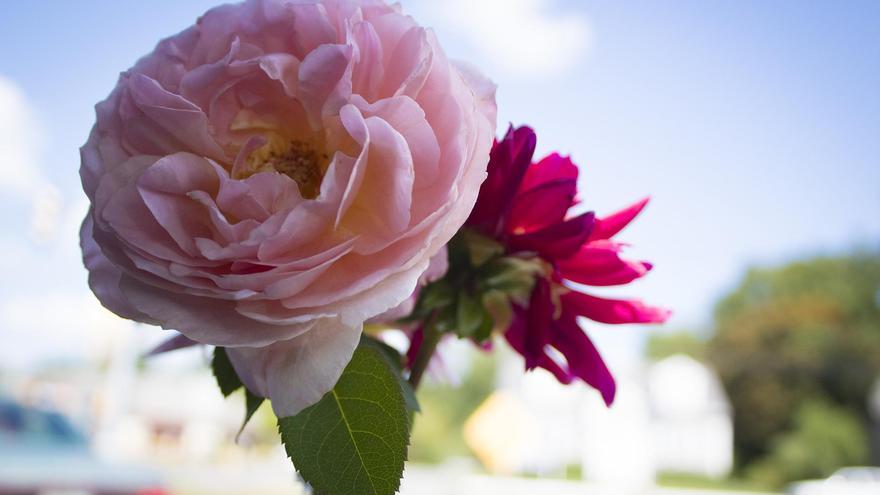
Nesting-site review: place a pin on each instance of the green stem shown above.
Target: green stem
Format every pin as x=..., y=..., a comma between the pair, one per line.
x=426, y=351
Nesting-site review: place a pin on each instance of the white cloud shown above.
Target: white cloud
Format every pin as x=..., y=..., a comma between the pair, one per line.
x=524, y=37
x=21, y=177
x=19, y=142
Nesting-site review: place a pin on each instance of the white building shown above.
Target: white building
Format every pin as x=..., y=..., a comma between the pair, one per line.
x=691, y=420
x=670, y=416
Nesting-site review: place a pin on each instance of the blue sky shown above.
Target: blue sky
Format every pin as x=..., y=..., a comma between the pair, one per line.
x=754, y=126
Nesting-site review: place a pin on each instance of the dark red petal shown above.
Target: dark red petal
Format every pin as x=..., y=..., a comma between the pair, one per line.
x=541, y=206
x=599, y=263
x=557, y=241
x=508, y=162
x=539, y=319
x=516, y=337
x=614, y=223
x=583, y=358
x=551, y=167
x=613, y=311
x=415, y=343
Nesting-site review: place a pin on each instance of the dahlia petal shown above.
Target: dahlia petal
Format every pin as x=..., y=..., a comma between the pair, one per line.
x=295, y=374
x=613, y=311
x=557, y=241
x=539, y=319
x=614, y=223
x=599, y=263
x=550, y=168
x=541, y=206
x=508, y=162
x=516, y=336
x=582, y=357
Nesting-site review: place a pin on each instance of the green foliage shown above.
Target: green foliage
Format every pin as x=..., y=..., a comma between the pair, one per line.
x=437, y=433
x=354, y=440
x=790, y=336
x=824, y=438
x=698, y=482
x=663, y=345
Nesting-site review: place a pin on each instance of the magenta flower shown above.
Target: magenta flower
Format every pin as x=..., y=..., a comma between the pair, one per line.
x=526, y=206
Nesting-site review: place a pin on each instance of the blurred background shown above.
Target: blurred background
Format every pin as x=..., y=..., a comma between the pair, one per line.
x=755, y=128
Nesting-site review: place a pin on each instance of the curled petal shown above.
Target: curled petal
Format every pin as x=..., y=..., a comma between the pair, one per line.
x=582, y=357
x=599, y=263
x=516, y=336
x=551, y=168
x=541, y=206
x=508, y=162
x=612, y=311
x=556, y=241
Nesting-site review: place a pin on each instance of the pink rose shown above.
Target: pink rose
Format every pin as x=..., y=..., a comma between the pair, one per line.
x=275, y=175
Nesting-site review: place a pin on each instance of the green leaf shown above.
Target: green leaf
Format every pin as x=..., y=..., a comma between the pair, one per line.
x=354, y=440
x=396, y=360
x=225, y=374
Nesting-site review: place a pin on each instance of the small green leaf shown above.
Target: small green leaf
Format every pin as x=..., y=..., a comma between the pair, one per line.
x=469, y=315
x=252, y=403
x=354, y=440
x=225, y=374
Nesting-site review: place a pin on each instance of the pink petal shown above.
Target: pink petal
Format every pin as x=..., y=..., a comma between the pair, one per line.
x=296, y=373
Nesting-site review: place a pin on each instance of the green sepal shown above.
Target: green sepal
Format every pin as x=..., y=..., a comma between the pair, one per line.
x=469, y=313
x=480, y=248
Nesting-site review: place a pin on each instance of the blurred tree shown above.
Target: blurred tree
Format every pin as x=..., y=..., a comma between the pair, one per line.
x=661, y=345
x=806, y=332
x=824, y=437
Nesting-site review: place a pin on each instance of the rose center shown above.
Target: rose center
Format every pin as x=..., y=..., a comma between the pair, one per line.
x=302, y=161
